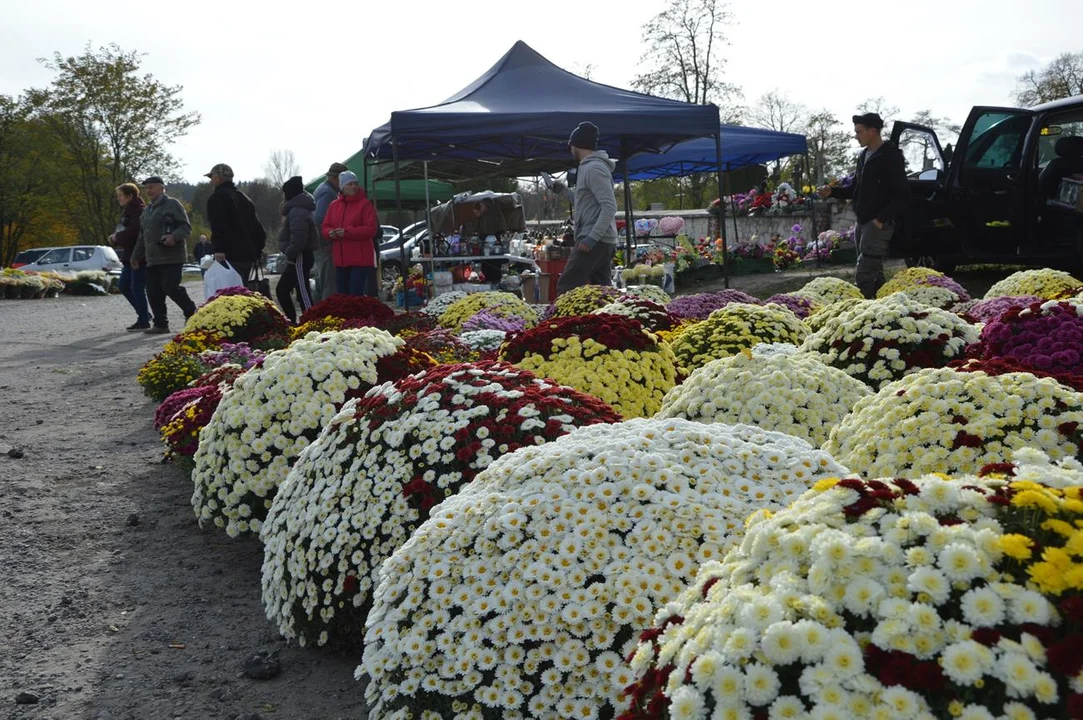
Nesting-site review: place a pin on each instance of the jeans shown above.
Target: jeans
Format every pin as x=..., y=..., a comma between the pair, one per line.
x=133, y=286
x=294, y=279
x=165, y=281
x=594, y=267
x=355, y=280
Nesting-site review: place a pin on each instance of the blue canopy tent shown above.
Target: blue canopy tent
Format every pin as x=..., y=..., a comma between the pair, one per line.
x=514, y=121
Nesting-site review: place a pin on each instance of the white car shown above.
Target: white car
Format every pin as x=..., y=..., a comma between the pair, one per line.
x=74, y=259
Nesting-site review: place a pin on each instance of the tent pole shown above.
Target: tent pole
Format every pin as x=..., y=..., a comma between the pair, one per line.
x=629, y=257
x=398, y=218
x=812, y=212
x=680, y=187
x=428, y=217
x=722, y=221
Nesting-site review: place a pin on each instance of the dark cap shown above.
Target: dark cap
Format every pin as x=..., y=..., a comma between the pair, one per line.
x=221, y=170
x=585, y=136
x=870, y=120
x=293, y=187
x=153, y=180
x=337, y=169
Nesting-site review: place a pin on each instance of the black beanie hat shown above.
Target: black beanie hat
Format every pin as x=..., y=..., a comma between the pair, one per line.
x=585, y=136
x=293, y=187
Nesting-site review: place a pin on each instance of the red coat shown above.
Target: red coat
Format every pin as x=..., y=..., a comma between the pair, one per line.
x=357, y=216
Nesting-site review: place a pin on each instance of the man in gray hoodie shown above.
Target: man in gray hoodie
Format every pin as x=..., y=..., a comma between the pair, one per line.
x=591, y=262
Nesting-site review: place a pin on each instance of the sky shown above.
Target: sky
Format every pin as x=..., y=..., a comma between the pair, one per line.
x=317, y=77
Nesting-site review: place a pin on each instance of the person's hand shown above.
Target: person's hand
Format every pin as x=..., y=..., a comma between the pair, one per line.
x=582, y=247
x=113, y=239
x=825, y=192
x=879, y=225
x=168, y=240
x=220, y=257
x=134, y=264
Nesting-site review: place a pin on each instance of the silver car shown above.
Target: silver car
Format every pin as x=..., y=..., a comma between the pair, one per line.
x=75, y=259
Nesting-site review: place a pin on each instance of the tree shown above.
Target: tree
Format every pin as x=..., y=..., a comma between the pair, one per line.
x=1061, y=78
x=881, y=107
x=775, y=111
x=918, y=147
x=114, y=126
x=280, y=167
x=828, y=146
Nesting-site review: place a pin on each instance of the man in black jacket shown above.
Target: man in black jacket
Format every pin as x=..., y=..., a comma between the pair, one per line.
x=228, y=211
x=880, y=193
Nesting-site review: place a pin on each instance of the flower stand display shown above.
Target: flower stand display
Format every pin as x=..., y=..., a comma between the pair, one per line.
x=649, y=292
x=495, y=302
x=521, y=595
x=1045, y=336
x=881, y=341
x=1045, y=283
x=484, y=341
x=178, y=364
x=439, y=304
x=486, y=320
x=927, y=286
x=608, y=356
x=362, y=310
x=653, y=316
x=930, y=597
x=950, y=421
x=794, y=394
x=377, y=470
x=443, y=346
x=583, y=300
x=828, y=290
x=271, y=415
x=240, y=315
x=736, y=327
x=701, y=305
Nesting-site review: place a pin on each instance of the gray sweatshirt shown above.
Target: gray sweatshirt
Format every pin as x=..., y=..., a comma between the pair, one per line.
x=595, y=201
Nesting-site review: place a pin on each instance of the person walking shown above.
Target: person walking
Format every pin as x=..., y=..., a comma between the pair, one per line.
x=133, y=282
x=230, y=213
x=297, y=240
x=324, y=264
x=351, y=226
x=202, y=249
x=880, y=193
x=595, y=212
x=163, y=231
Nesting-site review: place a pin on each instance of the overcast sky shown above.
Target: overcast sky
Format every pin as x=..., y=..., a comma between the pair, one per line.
x=317, y=77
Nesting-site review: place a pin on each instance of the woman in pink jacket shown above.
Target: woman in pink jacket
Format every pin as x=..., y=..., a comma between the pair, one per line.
x=351, y=226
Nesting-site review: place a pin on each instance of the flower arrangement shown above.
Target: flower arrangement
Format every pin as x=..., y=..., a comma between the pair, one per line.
x=1001, y=366
x=648, y=292
x=271, y=415
x=777, y=390
x=167, y=372
x=406, y=361
x=927, y=286
x=608, y=356
x=248, y=317
x=442, y=346
x=651, y=315
x=985, y=311
x=644, y=274
x=439, y=304
x=583, y=300
x=671, y=225
x=799, y=304
x=520, y=595
x=830, y=290
x=734, y=328
x=240, y=354
x=701, y=305
x=378, y=469
x=486, y=320
x=645, y=226
x=1044, y=336
x=409, y=323
x=881, y=341
x=928, y=598
x=190, y=410
x=415, y=282
x=906, y=279
x=483, y=341
x=1045, y=283
x=363, y=309
x=320, y=325
x=825, y=314
x=944, y=420
x=16, y=284
x=497, y=303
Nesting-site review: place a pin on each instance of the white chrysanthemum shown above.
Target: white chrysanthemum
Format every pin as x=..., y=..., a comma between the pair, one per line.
x=439, y=304
x=797, y=395
x=483, y=340
x=280, y=406
x=600, y=516
x=649, y=292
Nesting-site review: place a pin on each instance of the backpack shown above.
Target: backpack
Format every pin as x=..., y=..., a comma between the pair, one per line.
x=253, y=228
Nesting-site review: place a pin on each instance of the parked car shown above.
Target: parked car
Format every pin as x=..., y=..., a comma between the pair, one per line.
x=28, y=256
x=391, y=254
x=997, y=197
x=74, y=259
x=276, y=264
x=388, y=232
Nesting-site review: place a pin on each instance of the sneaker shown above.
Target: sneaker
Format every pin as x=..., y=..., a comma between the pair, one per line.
x=157, y=330
x=137, y=327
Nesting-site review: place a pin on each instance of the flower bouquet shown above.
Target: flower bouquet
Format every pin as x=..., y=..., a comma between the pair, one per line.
x=1045, y=283
x=830, y=290
x=378, y=469
x=794, y=394
x=583, y=300
x=1044, y=336
x=651, y=315
x=945, y=420
x=701, y=305
x=648, y=292
x=985, y=311
x=670, y=226
x=645, y=226
x=608, y=356
x=272, y=413
x=367, y=311
x=928, y=598
x=520, y=596
x=879, y=342
x=497, y=303
x=247, y=317
x=734, y=328
x=798, y=303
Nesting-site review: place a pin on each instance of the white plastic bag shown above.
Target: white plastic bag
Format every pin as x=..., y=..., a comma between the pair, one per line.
x=220, y=276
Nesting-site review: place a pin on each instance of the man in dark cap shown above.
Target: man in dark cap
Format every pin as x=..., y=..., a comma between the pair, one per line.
x=880, y=193
x=237, y=235
x=163, y=231
x=595, y=212
x=324, y=266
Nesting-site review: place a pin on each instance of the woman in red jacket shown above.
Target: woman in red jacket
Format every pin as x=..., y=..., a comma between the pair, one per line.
x=351, y=226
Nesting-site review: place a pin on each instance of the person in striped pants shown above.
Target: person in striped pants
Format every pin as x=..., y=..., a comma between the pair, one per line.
x=297, y=240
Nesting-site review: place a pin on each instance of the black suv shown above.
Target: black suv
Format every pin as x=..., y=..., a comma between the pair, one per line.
x=997, y=197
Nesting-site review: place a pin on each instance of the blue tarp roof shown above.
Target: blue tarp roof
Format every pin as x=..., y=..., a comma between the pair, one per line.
x=741, y=147
x=516, y=118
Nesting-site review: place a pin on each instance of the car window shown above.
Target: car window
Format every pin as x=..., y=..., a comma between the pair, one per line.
x=60, y=255
x=82, y=253
x=920, y=152
x=1069, y=124
x=997, y=140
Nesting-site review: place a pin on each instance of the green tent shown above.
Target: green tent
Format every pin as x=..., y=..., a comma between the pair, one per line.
x=413, y=191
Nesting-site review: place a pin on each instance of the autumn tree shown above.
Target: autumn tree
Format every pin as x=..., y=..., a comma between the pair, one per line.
x=114, y=125
x=1061, y=78
x=776, y=111
x=829, y=148
x=280, y=167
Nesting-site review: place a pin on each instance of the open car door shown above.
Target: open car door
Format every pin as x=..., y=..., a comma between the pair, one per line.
x=923, y=234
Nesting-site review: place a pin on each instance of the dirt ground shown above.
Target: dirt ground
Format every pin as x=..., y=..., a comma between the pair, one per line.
x=115, y=605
